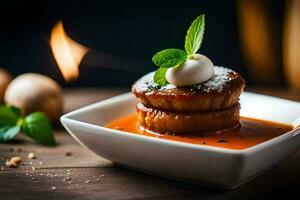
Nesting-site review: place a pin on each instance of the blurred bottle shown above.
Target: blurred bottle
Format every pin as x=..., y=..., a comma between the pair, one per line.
x=291, y=43
x=260, y=30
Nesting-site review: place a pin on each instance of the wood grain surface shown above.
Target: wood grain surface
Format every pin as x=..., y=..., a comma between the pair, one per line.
x=69, y=171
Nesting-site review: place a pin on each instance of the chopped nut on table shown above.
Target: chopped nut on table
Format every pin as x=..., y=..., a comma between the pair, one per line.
x=8, y=163
x=31, y=156
x=13, y=162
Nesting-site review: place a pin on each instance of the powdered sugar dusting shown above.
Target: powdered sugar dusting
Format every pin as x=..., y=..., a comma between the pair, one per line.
x=221, y=77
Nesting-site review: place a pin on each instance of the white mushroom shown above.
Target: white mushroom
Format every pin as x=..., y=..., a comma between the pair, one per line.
x=5, y=79
x=35, y=92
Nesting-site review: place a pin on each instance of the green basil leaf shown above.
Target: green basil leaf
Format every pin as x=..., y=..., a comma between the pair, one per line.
x=160, y=76
x=8, y=132
x=9, y=116
x=194, y=36
x=169, y=58
x=14, y=109
x=10, y=122
x=38, y=127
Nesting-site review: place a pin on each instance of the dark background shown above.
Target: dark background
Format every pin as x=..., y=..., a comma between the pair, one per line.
x=135, y=29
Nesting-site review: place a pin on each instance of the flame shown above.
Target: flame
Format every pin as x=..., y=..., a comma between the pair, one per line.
x=67, y=52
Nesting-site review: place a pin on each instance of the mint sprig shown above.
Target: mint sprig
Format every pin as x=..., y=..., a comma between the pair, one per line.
x=10, y=118
x=36, y=125
x=173, y=57
x=194, y=35
x=160, y=76
x=169, y=58
x=7, y=133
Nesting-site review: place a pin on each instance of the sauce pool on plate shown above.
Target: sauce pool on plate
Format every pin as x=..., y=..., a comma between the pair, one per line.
x=250, y=133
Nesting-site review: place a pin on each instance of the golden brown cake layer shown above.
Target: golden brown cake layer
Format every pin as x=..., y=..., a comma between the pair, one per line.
x=222, y=91
x=187, y=123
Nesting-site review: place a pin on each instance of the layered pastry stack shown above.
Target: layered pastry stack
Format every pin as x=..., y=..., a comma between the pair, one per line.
x=204, y=107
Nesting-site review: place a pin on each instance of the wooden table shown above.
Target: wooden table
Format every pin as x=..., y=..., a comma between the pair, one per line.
x=69, y=171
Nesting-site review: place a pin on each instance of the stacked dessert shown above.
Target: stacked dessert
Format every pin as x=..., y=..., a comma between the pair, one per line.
x=188, y=94
x=210, y=106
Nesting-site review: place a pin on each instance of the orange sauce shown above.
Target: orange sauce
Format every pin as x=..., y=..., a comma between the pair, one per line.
x=251, y=132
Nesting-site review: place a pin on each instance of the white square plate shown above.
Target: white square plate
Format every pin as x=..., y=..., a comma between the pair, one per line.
x=200, y=164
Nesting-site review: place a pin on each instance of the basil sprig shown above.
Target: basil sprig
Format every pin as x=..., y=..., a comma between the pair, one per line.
x=174, y=57
x=36, y=125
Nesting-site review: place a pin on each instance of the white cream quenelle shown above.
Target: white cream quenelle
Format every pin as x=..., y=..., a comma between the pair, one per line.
x=193, y=71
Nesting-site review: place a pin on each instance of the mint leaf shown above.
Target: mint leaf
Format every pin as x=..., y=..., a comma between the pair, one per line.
x=38, y=127
x=194, y=36
x=10, y=122
x=9, y=132
x=9, y=115
x=169, y=58
x=14, y=109
x=160, y=76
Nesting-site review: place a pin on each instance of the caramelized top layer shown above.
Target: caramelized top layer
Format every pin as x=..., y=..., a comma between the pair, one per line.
x=222, y=80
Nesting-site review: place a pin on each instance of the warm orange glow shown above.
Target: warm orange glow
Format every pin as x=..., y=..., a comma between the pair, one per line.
x=291, y=43
x=67, y=52
x=257, y=41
